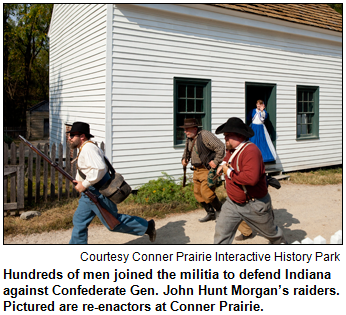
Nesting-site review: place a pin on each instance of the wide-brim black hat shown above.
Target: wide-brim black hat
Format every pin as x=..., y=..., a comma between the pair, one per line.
x=81, y=128
x=235, y=125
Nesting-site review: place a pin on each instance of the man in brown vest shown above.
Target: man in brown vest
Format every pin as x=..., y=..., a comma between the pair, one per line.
x=206, y=151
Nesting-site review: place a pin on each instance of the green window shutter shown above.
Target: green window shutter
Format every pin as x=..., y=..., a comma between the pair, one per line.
x=192, y=99
x=307, y=112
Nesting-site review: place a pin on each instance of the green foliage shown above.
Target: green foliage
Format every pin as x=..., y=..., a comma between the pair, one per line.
x=7, y=139
x=165, y=190
x=25, y=62
x=336, y=6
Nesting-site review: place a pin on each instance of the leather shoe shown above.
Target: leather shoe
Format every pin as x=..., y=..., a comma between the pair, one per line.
x=242, y=237
x=210, y=216
x=151, y=231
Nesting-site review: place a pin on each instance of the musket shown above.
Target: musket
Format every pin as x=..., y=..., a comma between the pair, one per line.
x=184, y=178
x=216, y=176
x=109, y=218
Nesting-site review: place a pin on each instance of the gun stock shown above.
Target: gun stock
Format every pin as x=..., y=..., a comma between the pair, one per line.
x=109, y=218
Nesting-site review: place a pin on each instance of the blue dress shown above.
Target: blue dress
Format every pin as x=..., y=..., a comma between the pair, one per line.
x=261, y=137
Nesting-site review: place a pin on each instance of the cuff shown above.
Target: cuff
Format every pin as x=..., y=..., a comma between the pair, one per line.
x=86, y=183
x=229, y=171
x=223, y=163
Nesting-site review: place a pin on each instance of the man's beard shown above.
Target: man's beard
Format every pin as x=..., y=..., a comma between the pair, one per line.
x=74, y=145
x=228, y=146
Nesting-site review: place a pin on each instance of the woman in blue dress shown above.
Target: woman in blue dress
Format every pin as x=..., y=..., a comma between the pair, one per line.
x=261, y=137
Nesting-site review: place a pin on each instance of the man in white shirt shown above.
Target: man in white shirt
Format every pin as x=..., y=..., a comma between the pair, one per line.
x=93, y=173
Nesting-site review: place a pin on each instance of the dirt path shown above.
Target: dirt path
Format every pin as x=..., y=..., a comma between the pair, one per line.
x=300, y=210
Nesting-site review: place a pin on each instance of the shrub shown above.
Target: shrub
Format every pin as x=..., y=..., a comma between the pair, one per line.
x=165, y=190
x=7, y=139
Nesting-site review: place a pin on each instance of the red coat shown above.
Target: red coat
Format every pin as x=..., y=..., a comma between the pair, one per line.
x=251, y=174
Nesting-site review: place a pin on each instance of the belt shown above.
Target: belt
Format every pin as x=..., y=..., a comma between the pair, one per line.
x=244, y=203
x=198, y=166
x=103, y=181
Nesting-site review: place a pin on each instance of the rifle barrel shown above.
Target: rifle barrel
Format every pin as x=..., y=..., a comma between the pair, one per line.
x=54, y=164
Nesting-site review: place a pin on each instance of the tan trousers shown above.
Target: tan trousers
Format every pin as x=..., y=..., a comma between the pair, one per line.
x=201, y=190
x=244, y=228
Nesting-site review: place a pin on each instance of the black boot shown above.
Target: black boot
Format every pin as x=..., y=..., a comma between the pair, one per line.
x=216, y=203
x=210, y=212
x=151, y=231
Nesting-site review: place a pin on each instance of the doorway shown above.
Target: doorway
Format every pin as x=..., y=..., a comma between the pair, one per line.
x=267, y=93
x=46, y=128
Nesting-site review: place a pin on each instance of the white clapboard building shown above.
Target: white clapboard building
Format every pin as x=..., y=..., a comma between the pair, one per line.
x=134, y=72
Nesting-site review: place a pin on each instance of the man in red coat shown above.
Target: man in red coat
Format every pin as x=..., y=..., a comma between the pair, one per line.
x=248, y=198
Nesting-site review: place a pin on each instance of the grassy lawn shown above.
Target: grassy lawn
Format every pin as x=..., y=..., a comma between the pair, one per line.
x=323, y=176
x=58, y=215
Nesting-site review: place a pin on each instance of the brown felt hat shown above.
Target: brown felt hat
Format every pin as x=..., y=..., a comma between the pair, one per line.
x=189, y=123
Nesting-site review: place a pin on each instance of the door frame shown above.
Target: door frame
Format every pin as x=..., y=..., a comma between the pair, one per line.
x=269, y=101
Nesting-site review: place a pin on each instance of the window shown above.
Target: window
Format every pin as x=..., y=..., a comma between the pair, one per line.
x=192, y=99
x=307, y=112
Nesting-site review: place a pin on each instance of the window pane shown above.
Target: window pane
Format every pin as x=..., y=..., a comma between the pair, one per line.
x=306, y=95
x=304, y=120
x=199, y=106
x=300, y=107
x=300, y=96
x=181, y=91
x=305, y=107
x=199, y=91
x=190, y=106
x=199, y=120
x=311, y=107
x=180, y=121
x=180, y=134
x=304, y=129
x=190, y=91
x=309, y=119
x=299, y=119
x=182, y=106
x=309, y=129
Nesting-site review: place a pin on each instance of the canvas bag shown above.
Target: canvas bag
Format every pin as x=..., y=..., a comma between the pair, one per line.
x=116, y=189
x=212, y=181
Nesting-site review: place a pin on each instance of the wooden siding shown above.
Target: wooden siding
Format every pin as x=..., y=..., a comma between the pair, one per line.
x=35, y=124
x=151, y=47
x=77, y=68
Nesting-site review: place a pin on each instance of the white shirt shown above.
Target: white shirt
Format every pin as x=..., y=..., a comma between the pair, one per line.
x=91, y=163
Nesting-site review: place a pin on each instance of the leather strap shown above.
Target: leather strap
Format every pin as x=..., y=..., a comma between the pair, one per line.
x=188, y=153
x=237, y=153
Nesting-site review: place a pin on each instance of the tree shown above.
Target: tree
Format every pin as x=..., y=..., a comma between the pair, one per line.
x=336, y=6
x=25, y=58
